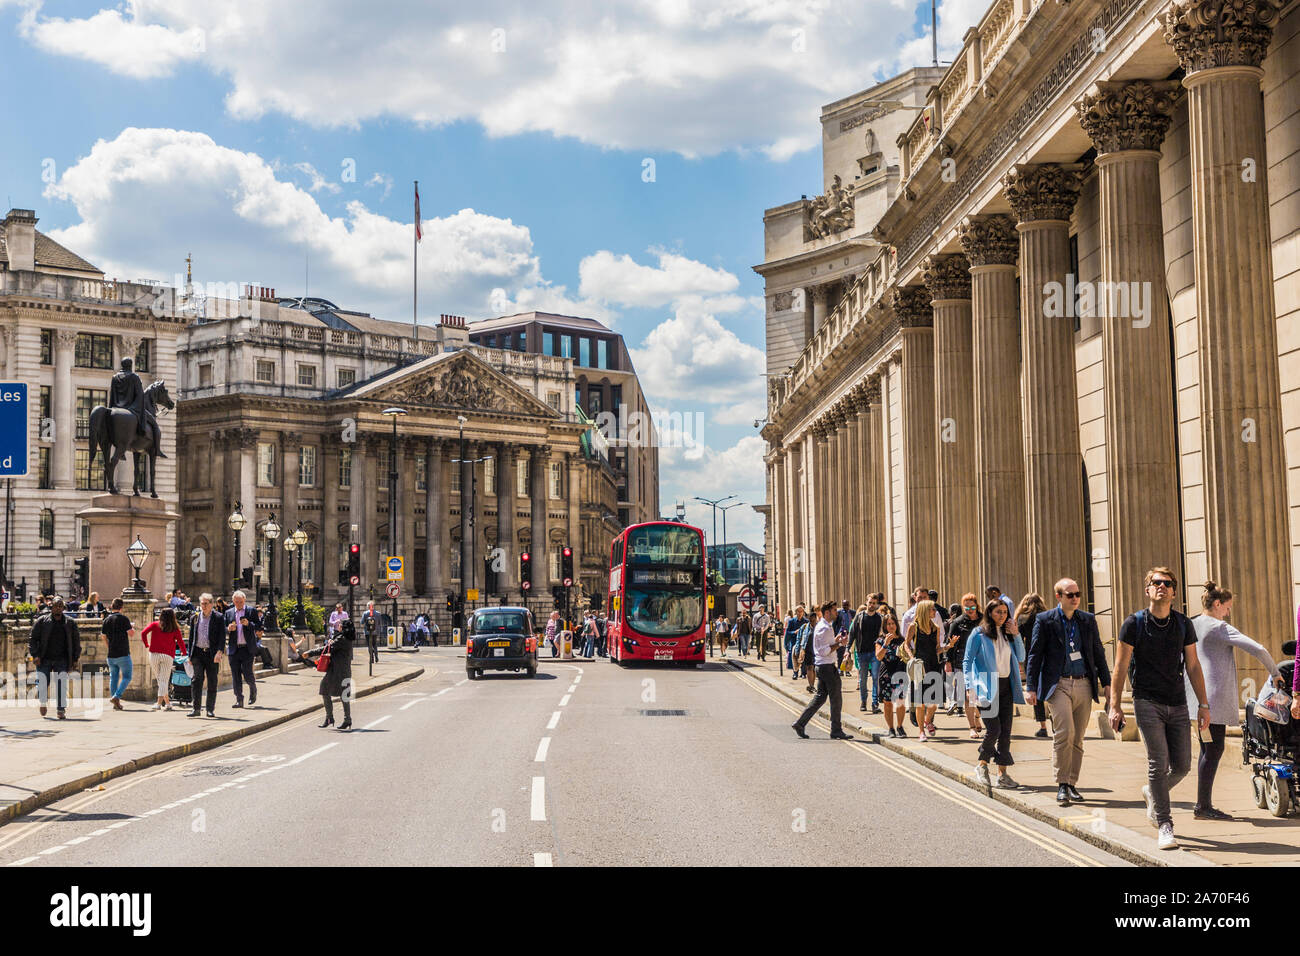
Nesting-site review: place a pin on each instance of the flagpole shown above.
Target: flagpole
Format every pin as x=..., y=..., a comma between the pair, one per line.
x=415, y=268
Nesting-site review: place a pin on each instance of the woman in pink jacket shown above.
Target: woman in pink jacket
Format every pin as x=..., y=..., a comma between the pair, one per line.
x=163, y=640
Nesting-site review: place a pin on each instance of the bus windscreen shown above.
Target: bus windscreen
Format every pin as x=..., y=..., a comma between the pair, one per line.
x=672, y=547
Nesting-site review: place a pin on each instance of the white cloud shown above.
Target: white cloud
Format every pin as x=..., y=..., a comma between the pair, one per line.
x=622, y=280
x=737, y=470
x=381, y=179
x=694, y=357
x=692, y=77
x=148, y=193
x=318, y=182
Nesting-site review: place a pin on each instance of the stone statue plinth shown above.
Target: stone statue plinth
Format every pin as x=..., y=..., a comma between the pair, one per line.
x=115, y=521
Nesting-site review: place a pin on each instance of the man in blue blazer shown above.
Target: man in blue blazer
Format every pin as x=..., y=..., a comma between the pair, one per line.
x=243, y=631
x=1066, y=666
x=207, y=639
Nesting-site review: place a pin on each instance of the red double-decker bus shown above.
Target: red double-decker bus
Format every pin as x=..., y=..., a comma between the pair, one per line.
x=657, y=593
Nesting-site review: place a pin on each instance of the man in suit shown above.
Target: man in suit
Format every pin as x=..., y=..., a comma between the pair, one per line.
x=1066, y=665
x=243, y=631
x=206, y=640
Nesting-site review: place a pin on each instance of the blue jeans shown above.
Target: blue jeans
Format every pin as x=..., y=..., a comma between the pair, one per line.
x=867, y=679
x=789, y=651
x=589, y=648
x=119, y=675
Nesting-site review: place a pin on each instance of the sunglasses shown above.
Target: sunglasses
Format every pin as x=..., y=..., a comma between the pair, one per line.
x=1162, y=583
x=1070, y=594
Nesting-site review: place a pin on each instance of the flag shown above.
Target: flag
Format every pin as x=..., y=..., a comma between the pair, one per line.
x=419, y=234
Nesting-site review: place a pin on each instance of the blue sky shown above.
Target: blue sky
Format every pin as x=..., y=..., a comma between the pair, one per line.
x=263, y=136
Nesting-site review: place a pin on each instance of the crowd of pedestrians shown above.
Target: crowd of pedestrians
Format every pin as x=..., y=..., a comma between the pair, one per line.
x=984, y=660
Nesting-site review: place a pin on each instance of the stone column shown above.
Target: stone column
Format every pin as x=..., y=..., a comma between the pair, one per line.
x=849, y=508
x=818, y=562
x=406, y=497
x=991, y=244
x=8, y=339
x=1127, y=123
x=778, y=574
x=290, y=449
x=920, y=492
x=369, y=465
x=573, y=486
x=63, y=400
x=538, y=464
x=219, y=572
x=948, y=280
x=436, y=508
x=796, y=557
x=358, y=499
x=248, y=493
x=507, y=577
x=877, y=501
x=330, y=540
x=1043, y=198
x=833, y=550
x=1221, y=48
x=820, y=304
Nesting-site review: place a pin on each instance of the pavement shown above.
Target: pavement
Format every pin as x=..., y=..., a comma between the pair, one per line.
x=589, y=763
x=43, y=759
x=1113, y=816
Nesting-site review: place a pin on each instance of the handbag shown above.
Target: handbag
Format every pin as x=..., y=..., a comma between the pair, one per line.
x=189, y=668
x=323, y=662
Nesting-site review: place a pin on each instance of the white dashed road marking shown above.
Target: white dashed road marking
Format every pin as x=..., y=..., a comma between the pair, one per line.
x=564, y=701
x=377, y=722
x=555, y=719
x=539, y=798
x=541, y=749
x=541, y=859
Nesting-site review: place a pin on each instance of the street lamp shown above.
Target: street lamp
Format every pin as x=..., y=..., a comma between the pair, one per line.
x=393, y=413
x=272, y=532
x=299, y=539
x=681, y=512
x=723, y=509
x=236, y=523
x=290, y=546
x=137, y=553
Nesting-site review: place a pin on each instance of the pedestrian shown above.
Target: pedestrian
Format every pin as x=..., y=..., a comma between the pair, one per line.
x=589, y=636
x=994, y=593
x=791, y=636
x=116, y=630
x=1067, y=667
x=1030, y=606
x=991, y=667
x=163, y=640
x=93, y=607
x=744, y=627
x=807, y=668
x=925, y=642
x=939, y=609
x=1160, y=643
x=959, y=631
x=760, y=626
x=205, y=654
x=1216, y=640
x=370, y=624
x=602, y=635
x=337, y=617
x=55, y=649
x=917, y=596
x=337, y=679
x=723, y=628
x=552, y=631
x=863, y=631
x=891, y=679
x=824, y=645
x=243, y=630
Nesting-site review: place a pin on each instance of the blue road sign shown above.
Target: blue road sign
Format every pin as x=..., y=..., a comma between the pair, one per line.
x=13, y=429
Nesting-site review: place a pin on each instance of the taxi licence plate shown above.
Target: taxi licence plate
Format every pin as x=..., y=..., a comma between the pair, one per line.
x=499, y=652
x=663, y=655
x=498, y=643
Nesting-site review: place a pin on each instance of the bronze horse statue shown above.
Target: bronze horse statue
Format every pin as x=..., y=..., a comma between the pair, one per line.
x=113, y=435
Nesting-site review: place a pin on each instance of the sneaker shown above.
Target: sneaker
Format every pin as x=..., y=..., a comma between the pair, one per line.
x=892, y=732
x=1210, y=813
x=1042, y=732
x=952, y=709
x=875, y=708
x=1165, y=840
x=982, y=775
x=1151, y=809
x=922, y=736
x=900, y=732
x=1006, y=783
x=156, y=706
x=863, y=708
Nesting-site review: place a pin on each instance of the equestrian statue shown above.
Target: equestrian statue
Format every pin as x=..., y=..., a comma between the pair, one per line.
x=129, y=423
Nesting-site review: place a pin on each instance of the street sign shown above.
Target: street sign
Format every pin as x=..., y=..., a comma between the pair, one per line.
x=394, y=566
x=471, y=594
x=354, y=580
x=746, y=598
x=13, y=429
x=710, y=602
x=392, y=590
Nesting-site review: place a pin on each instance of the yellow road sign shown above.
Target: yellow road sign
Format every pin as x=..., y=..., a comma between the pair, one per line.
x=471, y=594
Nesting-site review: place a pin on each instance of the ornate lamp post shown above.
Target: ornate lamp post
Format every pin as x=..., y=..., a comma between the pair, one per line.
x=299, y=539
x=236, y=523
x=272, y=532
x=137, y=553
x=290, y=546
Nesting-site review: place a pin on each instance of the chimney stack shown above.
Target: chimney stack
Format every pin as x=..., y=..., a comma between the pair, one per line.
x=20, y=239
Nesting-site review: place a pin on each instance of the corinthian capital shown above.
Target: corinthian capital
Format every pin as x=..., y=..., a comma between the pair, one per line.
x=1042, y=192
x=1118, y=116
x=912, y=306
x=947, y=277
x=1211, y=33
x=990, y=241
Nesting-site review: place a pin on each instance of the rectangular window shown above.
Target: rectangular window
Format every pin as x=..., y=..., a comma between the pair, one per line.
x=306, y=566
x=266, y=464
x=490, y=477
x=346, y=376
x=566, y=346
x=455, y=477
x=88, y=478
x=553, y=560
x=43, y=468
x=521, y=477
x=602, y=353
x=205, y=375
x=557, y=483
x=553, y=399
x=421, y=471
x=266, y=371
x=94, y=351
x=45, y=404
x=307, y=467
x=382, y=467
x=593, y=402
x=584, y=351
x=577, y=396
x=521, y=342
x=144, y=356
x=87, y=399
x=47, y=346
x=345, y=468
x=85, y=534
x=46, y=581
x=307, y=376
x=47, y=528
x=548, y=344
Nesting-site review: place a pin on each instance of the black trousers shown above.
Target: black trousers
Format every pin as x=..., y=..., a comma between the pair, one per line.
x=828, y=685
x=1208, y=765
x=241, y=669
x=373, y=646
x=329, y=706
x=206, y=672
x=996, y=745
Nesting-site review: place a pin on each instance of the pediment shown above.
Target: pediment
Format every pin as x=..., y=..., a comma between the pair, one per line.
x=459, y=381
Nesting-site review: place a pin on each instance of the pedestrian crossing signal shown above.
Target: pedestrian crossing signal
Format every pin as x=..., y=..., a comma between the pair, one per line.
x=525, y=570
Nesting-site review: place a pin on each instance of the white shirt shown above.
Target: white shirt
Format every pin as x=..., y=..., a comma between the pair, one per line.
x=823, y=641
x=1002, y=650
x=910, y=615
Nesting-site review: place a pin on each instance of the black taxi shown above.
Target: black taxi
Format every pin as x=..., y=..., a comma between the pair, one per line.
x=501, y=638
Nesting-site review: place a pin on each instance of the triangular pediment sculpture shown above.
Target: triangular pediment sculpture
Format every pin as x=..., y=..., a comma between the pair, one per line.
x=458, y=380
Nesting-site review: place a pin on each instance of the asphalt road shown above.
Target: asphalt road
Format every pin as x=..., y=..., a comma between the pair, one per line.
x=588, y=764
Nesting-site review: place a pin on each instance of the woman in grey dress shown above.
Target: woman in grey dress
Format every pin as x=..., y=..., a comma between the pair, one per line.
x=1217, y=639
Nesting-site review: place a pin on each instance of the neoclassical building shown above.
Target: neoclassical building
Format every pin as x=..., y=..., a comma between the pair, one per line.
x=282, y=410
x=1077, y=353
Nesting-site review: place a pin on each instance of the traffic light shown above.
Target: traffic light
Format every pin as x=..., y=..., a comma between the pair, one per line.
x=557, y=595
x=81, y=576
x=451, y=601
x=526, y=571
x=354, y=564
x=489, y=576
x=566, y=566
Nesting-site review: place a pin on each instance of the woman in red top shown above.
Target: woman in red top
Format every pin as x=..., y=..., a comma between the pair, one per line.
x=163, y=640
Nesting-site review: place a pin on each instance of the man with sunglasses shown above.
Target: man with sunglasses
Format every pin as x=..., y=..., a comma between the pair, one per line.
x=1065, y=669
x=1160, y=642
